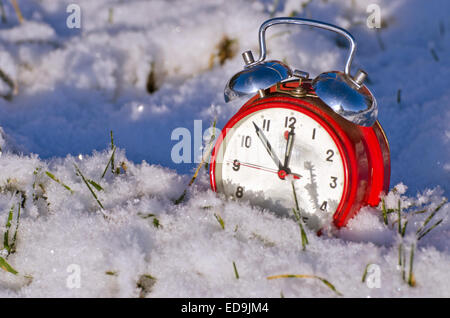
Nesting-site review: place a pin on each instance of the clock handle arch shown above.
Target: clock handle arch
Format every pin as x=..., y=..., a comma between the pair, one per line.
x=312, y=23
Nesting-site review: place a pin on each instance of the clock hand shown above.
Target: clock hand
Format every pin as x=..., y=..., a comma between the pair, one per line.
x=289, y=146
x=254, y=166
x=268, y=147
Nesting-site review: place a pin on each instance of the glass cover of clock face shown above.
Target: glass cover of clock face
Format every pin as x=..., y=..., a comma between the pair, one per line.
x=268, y=151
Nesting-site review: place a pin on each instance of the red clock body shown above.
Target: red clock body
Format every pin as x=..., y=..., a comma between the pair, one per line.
x=362, y=159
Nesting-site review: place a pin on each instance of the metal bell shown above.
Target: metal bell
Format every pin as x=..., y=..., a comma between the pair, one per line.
x=255, y=77
x=346, y=95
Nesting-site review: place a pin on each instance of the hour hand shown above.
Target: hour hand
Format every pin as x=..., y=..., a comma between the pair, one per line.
x=268, y=147
x=289, y=146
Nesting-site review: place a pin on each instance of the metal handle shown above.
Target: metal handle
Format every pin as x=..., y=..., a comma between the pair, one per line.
x=313, y=23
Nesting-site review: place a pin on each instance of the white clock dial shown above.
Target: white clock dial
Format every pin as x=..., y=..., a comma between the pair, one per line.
x=245, y=169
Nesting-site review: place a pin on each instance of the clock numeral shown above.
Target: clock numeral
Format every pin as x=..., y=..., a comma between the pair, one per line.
x=246, y=141
x=239, y=192
x=290, y=122
x=330, y=154
x=314, y=134
x=333, y=184
x=236, y=165
x=266, y=124
x=323, y=207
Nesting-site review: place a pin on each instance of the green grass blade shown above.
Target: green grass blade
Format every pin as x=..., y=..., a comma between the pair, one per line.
x=111, y=159
x=220, y=220
x=95, y=185
x=399, y=211
x=383, y=209
x=146, y=216
x=156, y=223
x=364, y=276
x=7, y=227
x=181, y=198
x=299, y=219
x=428, y=219
x=421, y=235
x=323, y=280
x=331, y=286
x=4, y=265
x=404, y=265
x=208, y=148
x=206, y=153
x=113, y=169
x=411, y=279
x=155, y=220
x=235, y=270
x=111, y=273
x=295, y=197
x=89, y=187
x=302, y=229
x=404, y=229
x=14, y=240
x=52, y=176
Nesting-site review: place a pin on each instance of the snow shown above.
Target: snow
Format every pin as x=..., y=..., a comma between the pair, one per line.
x=77, y=85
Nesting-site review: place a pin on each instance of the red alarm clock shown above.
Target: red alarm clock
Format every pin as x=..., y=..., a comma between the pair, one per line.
x=320, y=137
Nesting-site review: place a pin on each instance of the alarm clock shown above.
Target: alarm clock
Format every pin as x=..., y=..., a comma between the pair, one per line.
x=312, y=143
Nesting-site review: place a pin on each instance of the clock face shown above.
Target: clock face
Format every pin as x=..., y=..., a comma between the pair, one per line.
x=268, y=151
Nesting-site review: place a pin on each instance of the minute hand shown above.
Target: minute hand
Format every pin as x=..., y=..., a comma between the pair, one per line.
x=268, y=147
x=289, y=144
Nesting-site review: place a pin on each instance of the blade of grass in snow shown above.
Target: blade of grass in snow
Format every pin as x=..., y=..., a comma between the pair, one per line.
x=204, y=157
x=323, y=280
x=156, y=223
x=111, y=159
x=112, y=156
x=364, y=276
x=14, y=240
x=205, y=154
x=111, y=273
x=4, y=265
x=89, y=187
x=428, y=219
x=404, y=265
x=299, y=220
x=7, y=227
x=383, y=209
x=235, y=270
x=155, y=220
x=411, y=279
x=181, y=198
x=95, y=185
x=52, y=176
x=146, y=216
x=145, y=283
x=302, y=230
x=404, y=229
x=422, y=234
x=220, y=220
